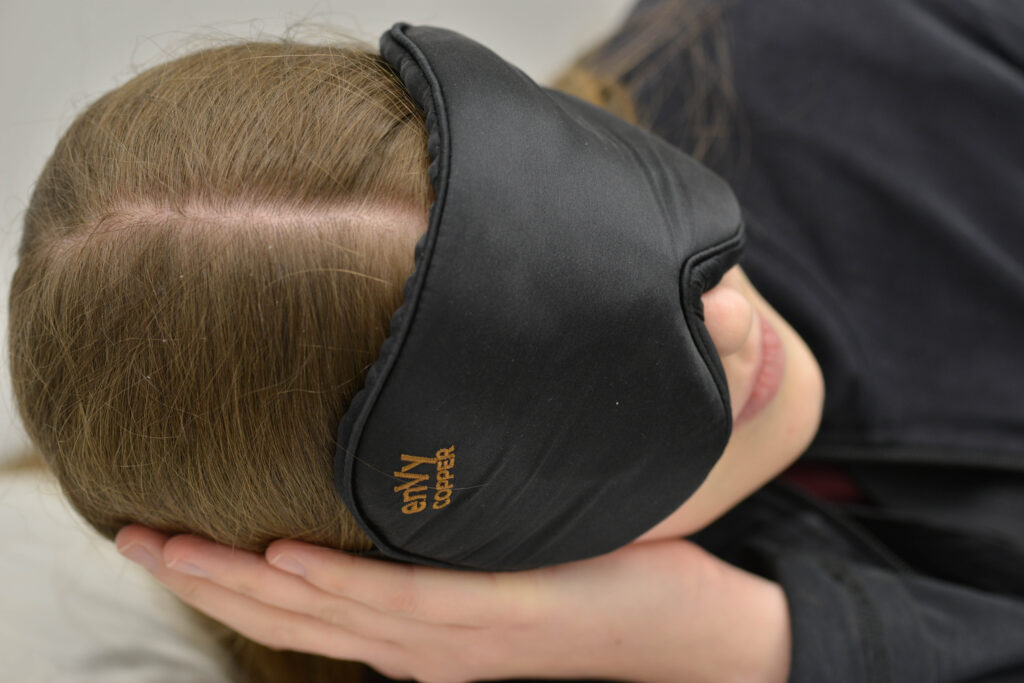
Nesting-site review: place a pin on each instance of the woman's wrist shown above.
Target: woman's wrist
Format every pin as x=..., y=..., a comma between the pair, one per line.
x=769, y=635
x=744, y=637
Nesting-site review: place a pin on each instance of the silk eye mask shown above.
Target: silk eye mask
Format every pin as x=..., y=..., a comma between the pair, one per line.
x=548, y=391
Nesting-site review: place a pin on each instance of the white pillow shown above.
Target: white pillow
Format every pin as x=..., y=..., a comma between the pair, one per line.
x=73, y=610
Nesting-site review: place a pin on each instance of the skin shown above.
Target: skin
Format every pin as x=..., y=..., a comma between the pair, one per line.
x=657, y=610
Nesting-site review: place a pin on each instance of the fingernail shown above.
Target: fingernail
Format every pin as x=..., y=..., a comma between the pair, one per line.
x=188, y=568
x=288, y=564
x=138, y=554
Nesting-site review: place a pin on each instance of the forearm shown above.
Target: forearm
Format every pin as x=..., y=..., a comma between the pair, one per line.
x=762, y=643
x=713, y=623
x=745, y=636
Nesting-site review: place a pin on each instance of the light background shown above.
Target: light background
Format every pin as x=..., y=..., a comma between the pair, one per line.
x=56, y=57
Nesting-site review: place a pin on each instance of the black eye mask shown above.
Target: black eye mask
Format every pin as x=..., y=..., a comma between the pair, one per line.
x=548, y=391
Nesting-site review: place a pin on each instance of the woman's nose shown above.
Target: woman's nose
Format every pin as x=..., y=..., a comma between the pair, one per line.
x=728, y=317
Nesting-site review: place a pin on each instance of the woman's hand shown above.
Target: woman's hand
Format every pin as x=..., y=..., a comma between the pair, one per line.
x=653, y=611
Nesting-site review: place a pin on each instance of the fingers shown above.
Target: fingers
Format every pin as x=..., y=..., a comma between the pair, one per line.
x=438, y=596
x=274, y=627
x=251, y=575
x=242, y=609
x=366, y=596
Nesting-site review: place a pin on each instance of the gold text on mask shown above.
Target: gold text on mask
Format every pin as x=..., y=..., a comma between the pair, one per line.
x=414, y=490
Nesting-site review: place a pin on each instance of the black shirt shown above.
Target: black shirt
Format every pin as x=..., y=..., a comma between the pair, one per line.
x=883, y=188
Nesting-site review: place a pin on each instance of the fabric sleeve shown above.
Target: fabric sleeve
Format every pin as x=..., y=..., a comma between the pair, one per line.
x=856, y=622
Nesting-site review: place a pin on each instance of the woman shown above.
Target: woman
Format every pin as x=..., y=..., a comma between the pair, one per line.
x=193, y=263
x=876, y=151
x=918, y=616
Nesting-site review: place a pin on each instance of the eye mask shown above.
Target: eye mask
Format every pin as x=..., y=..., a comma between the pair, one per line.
x=548, y=391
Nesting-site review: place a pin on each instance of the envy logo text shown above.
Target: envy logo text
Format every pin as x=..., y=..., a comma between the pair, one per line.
x=414, y=489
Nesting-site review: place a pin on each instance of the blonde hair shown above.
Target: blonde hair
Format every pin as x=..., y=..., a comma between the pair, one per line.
x=210, y=260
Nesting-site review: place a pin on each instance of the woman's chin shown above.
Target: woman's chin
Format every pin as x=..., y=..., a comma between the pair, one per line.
x=800, y=408
x=761, y=447
x=763, y=444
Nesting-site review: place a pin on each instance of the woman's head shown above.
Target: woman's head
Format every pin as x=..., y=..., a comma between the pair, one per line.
x=207, y=271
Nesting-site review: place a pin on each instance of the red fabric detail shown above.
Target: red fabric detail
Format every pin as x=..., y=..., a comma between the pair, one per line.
x=824, y=480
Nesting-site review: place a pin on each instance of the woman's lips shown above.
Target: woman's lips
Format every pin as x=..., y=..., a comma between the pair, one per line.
x=769, y=374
